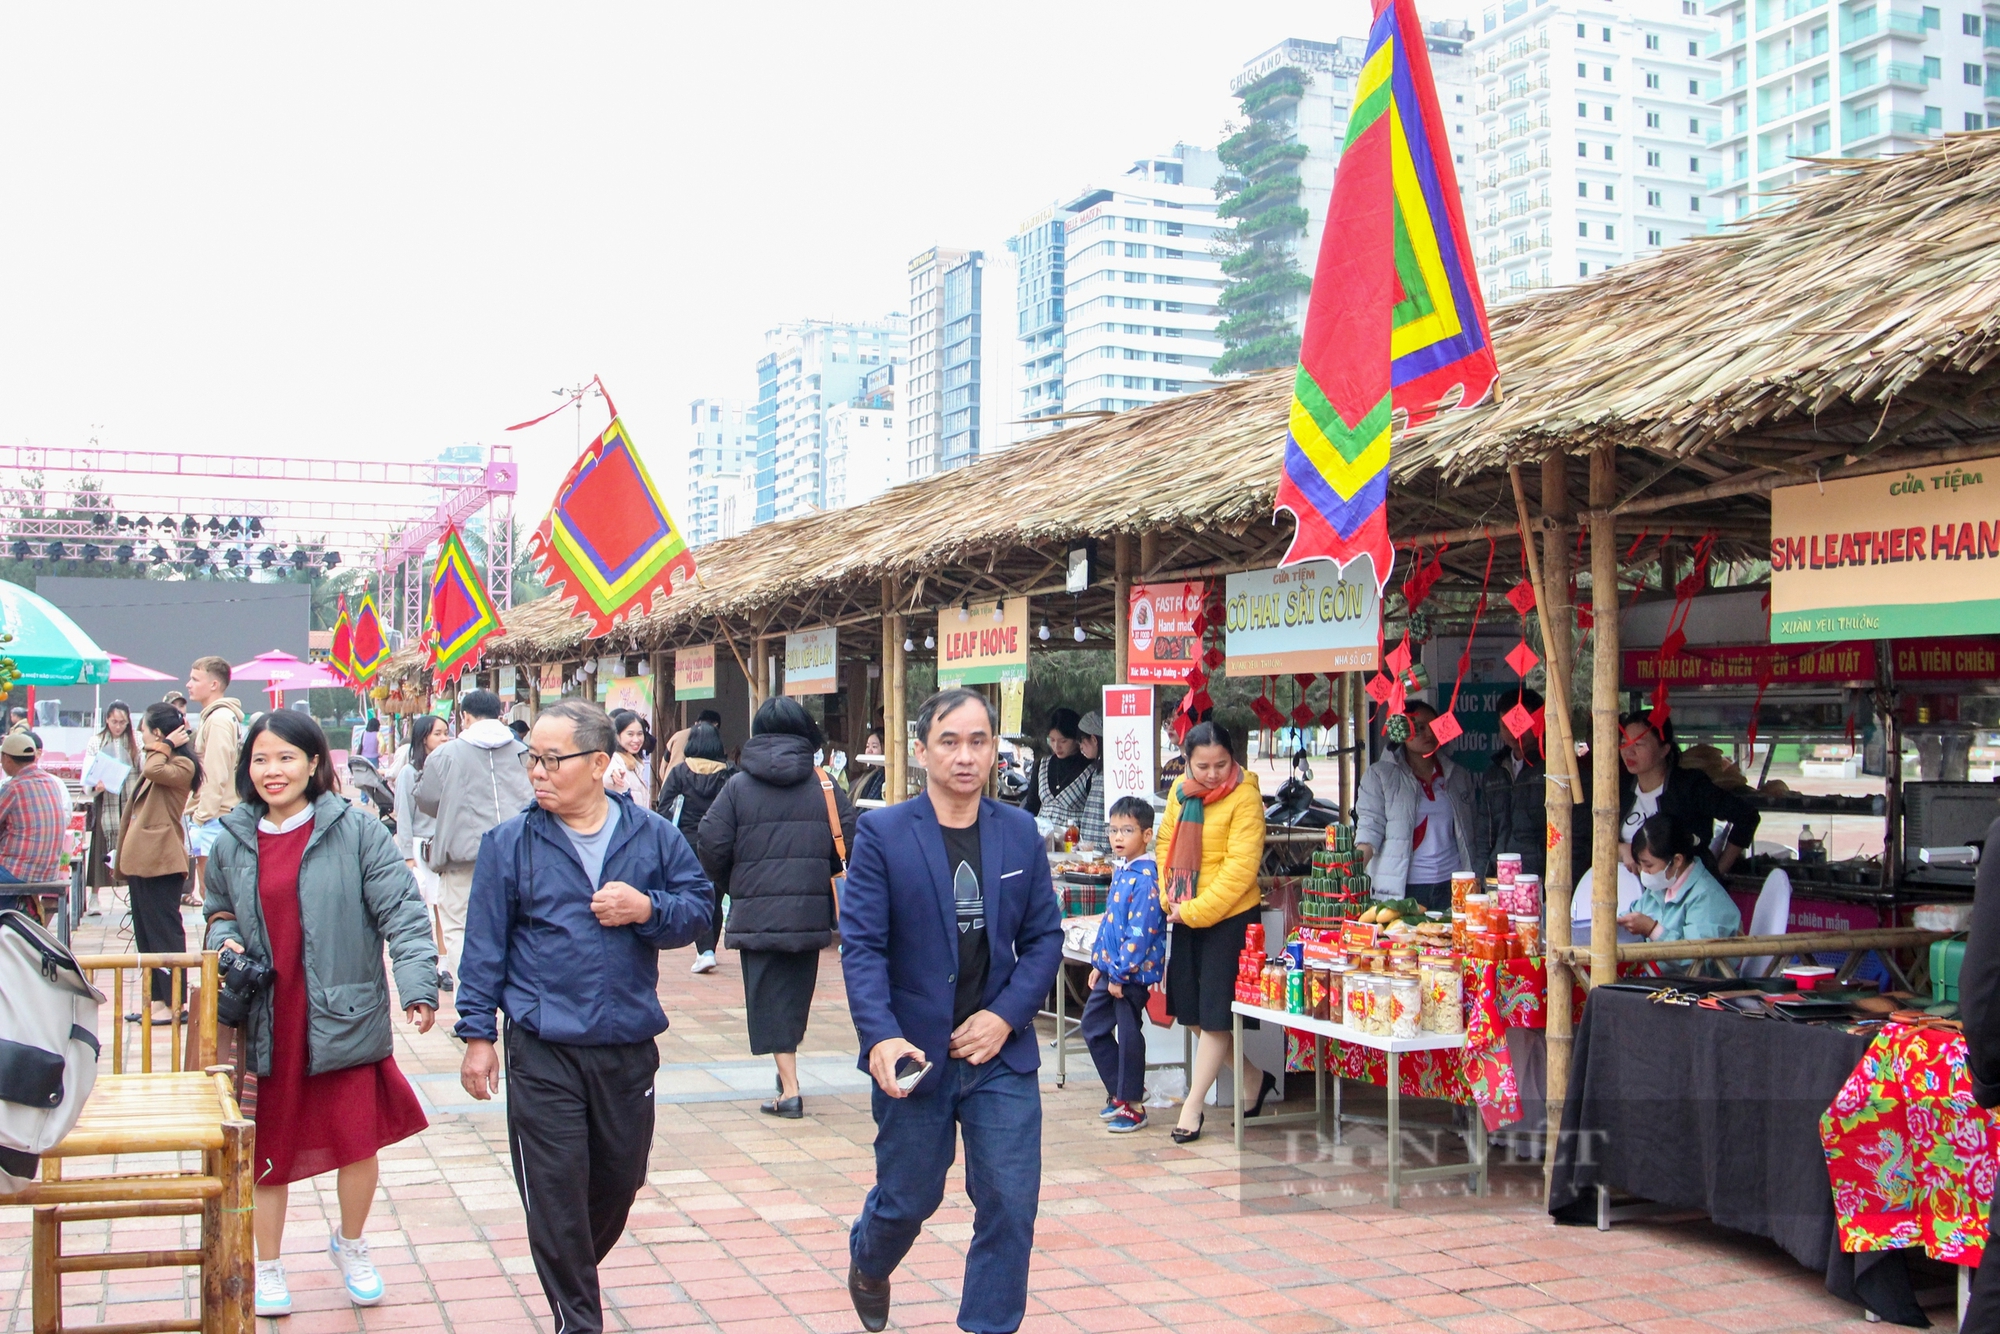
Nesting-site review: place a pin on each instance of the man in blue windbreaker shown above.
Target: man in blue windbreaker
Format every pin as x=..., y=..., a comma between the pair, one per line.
x=571, y=903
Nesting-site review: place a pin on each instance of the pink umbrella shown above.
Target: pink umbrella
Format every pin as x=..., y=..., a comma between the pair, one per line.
x=284, y=672
x=124, y=669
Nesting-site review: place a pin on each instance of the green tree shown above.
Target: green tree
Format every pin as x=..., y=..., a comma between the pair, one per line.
x=1259, y=189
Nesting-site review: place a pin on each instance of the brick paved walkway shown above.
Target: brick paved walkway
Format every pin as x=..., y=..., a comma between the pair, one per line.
x=742, y=1226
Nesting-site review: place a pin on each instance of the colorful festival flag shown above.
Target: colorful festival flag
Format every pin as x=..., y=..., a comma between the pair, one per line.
x=367, y=644
x=608, y=541
x=341, y=660
x=462, y=617
x=1395, y=319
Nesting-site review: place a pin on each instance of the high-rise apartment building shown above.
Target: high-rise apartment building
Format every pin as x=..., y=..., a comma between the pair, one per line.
x=1115, y=291
x=1595, y=137
x=1038, y=249
x=941, y=405
x=865, y=453
x=721, y=449
x=1277, y=183
x=807, y=368
x=1822, y=78
x=1141, y=281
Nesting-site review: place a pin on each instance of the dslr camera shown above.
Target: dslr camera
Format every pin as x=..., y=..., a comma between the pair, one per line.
x=243, y=980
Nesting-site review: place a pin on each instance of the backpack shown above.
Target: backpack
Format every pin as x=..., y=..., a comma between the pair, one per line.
x=48, y=1046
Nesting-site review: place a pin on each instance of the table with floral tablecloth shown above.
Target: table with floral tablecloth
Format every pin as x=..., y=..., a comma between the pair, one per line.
x=1911, y=1156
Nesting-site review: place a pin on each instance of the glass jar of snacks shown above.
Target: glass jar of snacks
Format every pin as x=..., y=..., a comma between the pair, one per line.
x=1405, y=1006
x=1528, y=935
x=1355, y=996
x=1443, y=1003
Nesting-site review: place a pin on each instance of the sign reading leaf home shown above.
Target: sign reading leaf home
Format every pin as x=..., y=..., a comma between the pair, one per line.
x=1895, y=554
x=812, y=663
x=982, y=643
x=1312, y=617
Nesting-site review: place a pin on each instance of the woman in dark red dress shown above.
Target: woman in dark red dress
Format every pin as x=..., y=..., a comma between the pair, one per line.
x=314, y=888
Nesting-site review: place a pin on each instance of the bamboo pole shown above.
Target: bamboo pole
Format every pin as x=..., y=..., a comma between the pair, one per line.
x=1121, y=609
x=228, y=1284
x=46, y=1248
x=1552, y=598
x=1604, y=732
x=1560, y=754
x=1749, y=947
x=895, y=699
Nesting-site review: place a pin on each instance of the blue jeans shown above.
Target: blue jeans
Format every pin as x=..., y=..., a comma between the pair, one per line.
x=1117, y=1041
x=999, y=1111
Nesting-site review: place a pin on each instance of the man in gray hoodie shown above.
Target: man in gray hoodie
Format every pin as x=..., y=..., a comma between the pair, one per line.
x=469, y=785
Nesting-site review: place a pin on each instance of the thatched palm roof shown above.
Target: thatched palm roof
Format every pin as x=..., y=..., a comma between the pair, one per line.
x=1829, y=310
x=1864, y=315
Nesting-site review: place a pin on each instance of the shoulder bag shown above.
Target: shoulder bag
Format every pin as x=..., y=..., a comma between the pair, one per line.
x=839, y=839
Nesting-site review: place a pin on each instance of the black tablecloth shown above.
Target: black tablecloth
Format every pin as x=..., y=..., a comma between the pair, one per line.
x=1717, y=1111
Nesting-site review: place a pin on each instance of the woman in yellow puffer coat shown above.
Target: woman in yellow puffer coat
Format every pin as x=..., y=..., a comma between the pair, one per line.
x=1211, y=844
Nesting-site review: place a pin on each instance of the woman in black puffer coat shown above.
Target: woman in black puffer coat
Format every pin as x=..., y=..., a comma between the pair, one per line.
x=768, y=842
x=686, y=793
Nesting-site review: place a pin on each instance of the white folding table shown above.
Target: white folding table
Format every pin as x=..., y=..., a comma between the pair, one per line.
x=1473, y=1169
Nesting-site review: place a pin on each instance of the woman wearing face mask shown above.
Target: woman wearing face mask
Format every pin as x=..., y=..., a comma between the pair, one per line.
x=1679, y=898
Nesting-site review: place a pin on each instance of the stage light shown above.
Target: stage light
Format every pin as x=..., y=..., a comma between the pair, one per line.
x=213, y=526
x=121, y=523
x=235, y=529
x=189, y=527
x=158, y=554
x=232, y=558
x=255, y=528
x=197, y=557
x=300, y=560
x=124, y=553
x=90, y=551
x=330, y=559
x=267, y=557
x=142, y=526
x=55, y=551
x=20, y=550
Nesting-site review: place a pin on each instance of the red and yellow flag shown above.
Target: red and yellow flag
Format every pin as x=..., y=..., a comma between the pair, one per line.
x=1396, y=320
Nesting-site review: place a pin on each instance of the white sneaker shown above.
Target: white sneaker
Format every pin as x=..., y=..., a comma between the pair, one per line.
x=350, y=1257
x=273, y=1297
x=704, y=962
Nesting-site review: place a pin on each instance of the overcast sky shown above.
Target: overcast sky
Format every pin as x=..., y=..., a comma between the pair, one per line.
x=379, y=230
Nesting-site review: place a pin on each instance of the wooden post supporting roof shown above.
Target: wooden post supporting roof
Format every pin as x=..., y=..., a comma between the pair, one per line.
x=1121, y=609
x=1605, y=764
x=895, y=701
x=1560, y=796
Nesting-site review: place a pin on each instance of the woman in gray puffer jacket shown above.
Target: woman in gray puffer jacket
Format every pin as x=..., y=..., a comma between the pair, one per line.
x=768, y=842
x=312, y=888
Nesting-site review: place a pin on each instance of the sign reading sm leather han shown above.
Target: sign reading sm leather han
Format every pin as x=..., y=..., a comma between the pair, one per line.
x=1888, y=556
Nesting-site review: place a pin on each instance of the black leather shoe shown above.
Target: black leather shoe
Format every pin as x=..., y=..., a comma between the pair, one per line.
x=871, y=1299
x=792, y=1108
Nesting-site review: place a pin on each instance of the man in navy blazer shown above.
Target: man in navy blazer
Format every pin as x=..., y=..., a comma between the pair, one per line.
x=951, y=935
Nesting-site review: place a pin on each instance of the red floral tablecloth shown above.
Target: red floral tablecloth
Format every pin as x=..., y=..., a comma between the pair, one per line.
x=1911, y=1156
x=1419, y=1074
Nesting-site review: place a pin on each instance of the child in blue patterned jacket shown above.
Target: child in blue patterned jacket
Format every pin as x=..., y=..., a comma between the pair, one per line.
x=1125, y=963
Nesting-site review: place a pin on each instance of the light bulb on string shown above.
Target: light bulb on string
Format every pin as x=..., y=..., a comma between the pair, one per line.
x=1076, y=630
x=909, y=644
x=999, y=610
x=930, y=640
x=965, y=609
x=1043, y=633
